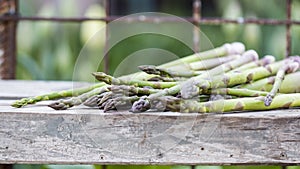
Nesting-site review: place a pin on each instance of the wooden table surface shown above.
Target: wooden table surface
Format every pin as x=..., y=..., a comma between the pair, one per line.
x=37, y=134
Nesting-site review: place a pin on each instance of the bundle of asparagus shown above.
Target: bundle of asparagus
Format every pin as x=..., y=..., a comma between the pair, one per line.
x=226, y=78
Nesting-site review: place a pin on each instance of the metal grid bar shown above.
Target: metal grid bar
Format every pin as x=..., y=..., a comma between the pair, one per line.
x=106, y=48
x=196, y=31
x=8, y=39
x=203, y=20
x=288, y=27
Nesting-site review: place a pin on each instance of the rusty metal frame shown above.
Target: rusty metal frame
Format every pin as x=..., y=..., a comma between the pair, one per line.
x=11, y=19
x=8, y=8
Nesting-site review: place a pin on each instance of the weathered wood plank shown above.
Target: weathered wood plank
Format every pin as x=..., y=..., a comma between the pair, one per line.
x=37, y=134
x=90, y=136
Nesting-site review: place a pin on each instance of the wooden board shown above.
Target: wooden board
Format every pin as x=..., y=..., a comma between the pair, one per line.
x=37, y=134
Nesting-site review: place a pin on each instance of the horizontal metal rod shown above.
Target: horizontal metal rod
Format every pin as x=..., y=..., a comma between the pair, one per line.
x=207, y=20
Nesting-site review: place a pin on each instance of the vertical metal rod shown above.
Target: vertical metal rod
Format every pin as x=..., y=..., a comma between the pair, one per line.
x=288, y=27
x=196, y=31
x=8, y=40
x=106, y=48
x=193, y=167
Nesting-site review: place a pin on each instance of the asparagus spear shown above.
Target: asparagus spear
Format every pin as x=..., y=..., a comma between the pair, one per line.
x=262, y=62
x=240, y=104
x=151, y=69
x=167, y=79
x=73, y=101
x=226, y=49
x=211, y=63
x=131, y=90
x=119, y=103
x=238, y=92
x=289, y=67
x=55, y=95
x=116, y=81
x=290, y=84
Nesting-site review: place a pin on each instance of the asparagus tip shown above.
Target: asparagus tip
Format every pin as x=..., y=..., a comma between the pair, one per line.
x=141, y=105
x=59, y=105
x=235, y=48
x=268, y=100
x=268, y=59
x=17, y=104
x=101, y=76
x=293, y=67
x=251, y=54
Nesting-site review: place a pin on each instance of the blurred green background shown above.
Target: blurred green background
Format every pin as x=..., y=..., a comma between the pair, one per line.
x=49, y=50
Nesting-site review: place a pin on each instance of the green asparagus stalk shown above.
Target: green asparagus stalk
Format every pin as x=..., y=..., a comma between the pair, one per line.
x=262, y=62
x=238, y=92
x=116, y=81
x=123, y=94
x=55, y=95
x=131, y=90
x=120, y=103
x=73, y=101
x=290, y=84
x=151, y=69
x=93, y=100
x=226, y=49
x=240, y=104
x=211, y=63
x=167, y=79
x=287, y=68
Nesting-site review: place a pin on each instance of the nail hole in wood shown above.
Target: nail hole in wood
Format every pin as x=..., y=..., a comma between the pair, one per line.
x=101, y=157
x=160, y=155
x=231, y=155
x=202, y=148
x=6, y=147
x=282, y=154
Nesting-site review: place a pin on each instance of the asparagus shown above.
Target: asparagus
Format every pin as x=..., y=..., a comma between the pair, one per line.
x=226, y=49
x=197, y=85
x=290, y=84
x=288, y=68
x=238, y=92
x=240, y=104
x=119, y=103
x=211, y=63
x=55, y=95
x=73, y=101
x=262, y=62
x=92, y=101
x=131, y=90
x=116, y=81
x=247, y=56
x=223, y=50
x=220, y=89
x=167, y=79
x=151, y=69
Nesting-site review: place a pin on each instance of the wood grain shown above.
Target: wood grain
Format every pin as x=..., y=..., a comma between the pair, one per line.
x=36, y=134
